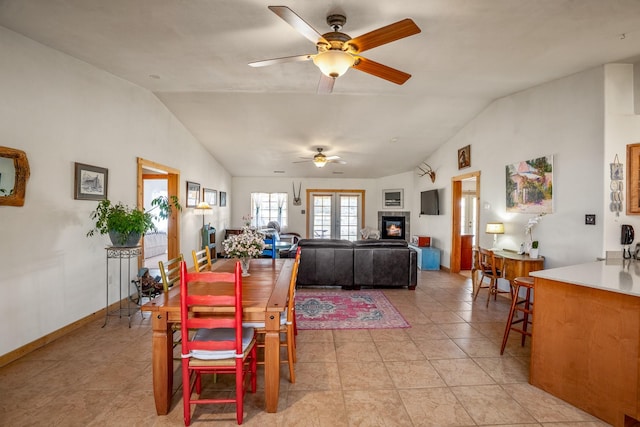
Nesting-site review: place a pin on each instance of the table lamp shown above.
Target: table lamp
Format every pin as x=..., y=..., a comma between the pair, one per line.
x=495, y=228
x=203, y=209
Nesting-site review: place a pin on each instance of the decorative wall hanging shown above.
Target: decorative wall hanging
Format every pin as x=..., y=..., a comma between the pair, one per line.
x=14, y=167
x=210, y=196
x=464, y=157
x=425, y=169
x=90, y=182
x=193, y=194
x=529, y=186
x=223, y=198
x=392, y=199
x=297, y=200
x=616, y=186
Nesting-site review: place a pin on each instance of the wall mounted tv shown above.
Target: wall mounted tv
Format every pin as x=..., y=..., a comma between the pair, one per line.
x=429, y=203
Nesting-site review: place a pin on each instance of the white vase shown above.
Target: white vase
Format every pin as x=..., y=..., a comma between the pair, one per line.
x=533, y=253
x=244, y=263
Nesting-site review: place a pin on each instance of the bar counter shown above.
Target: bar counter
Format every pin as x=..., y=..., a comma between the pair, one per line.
x=586, y=337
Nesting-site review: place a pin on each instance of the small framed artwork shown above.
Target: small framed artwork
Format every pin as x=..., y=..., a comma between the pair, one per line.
x=193, y=194
x=464, y=157
x=90, y=182
x=223, y=198
x=393, y=198
x=210, y=196
x=617, y=171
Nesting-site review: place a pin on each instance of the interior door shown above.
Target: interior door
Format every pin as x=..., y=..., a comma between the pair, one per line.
x=457, y=195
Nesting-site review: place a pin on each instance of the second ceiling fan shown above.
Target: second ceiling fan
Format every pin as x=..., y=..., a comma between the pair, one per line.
x=337, y=51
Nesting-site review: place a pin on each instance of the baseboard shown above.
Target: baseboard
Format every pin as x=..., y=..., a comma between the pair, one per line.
x=16, y=354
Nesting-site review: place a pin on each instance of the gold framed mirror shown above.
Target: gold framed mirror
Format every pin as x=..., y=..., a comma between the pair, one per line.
x=14, y=172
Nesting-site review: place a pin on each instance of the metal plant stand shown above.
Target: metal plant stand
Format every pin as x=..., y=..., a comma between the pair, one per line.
x=121, y=253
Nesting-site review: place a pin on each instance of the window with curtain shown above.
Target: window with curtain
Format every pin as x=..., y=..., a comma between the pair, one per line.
x=267, y=207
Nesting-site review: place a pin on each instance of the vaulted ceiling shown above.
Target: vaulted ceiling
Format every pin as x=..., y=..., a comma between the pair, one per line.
x=193, y=55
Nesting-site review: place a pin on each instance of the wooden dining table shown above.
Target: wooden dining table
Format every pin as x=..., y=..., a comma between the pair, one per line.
x=264, y=298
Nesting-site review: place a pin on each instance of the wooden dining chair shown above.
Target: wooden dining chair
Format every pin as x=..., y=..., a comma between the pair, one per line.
x=490, y=268
x=170, y=271
x=219, y=344
x=288, y=329
x=201, y=260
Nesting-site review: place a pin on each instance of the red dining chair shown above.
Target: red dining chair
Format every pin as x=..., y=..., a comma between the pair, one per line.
x=218, y=343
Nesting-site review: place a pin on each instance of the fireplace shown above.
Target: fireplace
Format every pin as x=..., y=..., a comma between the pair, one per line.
x=393, y=227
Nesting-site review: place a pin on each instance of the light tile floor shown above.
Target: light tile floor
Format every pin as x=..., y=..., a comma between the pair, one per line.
x=446, y=370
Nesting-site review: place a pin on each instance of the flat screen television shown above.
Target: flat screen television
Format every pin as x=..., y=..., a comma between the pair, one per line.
x=429, y=203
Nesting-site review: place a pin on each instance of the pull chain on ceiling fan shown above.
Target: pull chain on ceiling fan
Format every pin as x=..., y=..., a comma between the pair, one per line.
x=337, y=51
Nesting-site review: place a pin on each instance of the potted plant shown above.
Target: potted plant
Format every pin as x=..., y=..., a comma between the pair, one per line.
x=126, y=225
x=533, y=253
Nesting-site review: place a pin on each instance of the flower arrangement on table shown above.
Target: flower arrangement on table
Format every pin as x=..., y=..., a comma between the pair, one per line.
x=248, y=244
x=528, y=231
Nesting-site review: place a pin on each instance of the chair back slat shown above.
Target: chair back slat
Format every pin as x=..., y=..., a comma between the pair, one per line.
x=170, y=271
x=201, y=259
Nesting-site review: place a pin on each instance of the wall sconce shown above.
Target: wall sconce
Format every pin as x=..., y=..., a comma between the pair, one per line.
x=426, y=170
x=495, y=228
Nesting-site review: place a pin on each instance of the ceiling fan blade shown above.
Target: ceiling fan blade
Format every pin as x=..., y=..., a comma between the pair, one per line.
x=341, y=162
x=281, y=60
x=384, y=35
x=325, y=85
x=382, y=71
x=332, y=157
x=299, y=24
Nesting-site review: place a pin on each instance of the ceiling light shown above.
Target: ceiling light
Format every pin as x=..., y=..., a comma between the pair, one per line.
x=334, y=63
x=320, y=160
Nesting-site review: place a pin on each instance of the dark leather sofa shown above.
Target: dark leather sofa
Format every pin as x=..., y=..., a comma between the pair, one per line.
x=351, y=265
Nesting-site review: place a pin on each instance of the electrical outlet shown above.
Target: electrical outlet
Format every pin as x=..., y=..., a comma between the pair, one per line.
x=590, y=219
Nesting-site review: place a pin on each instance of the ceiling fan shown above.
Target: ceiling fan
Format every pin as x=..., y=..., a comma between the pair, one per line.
x=320, y=160
x=337, y=51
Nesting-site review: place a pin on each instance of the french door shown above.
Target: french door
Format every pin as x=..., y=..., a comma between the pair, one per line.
x=334, y=214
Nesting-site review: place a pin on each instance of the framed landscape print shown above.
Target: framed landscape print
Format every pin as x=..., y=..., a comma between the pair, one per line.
x=90, y=182
x=193, y=194
x=392, y=198
x=529, y=186
x=210, y=196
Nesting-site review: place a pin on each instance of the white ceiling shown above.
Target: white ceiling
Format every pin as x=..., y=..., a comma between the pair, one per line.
x=193, y=55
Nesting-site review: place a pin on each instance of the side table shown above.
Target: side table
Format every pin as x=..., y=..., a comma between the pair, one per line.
x=121, y=253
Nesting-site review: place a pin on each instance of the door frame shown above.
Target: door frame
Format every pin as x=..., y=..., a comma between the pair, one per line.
x=173, y=181
x=310, y=191
x=456, y=195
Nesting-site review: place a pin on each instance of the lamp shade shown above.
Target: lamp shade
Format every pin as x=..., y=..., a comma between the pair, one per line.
x=203, y=208
x=495, y=228
x=334, y=62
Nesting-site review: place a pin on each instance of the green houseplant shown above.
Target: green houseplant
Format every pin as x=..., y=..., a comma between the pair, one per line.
x=126, y=225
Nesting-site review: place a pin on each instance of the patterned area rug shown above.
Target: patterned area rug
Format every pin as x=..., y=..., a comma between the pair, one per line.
x=346, y=310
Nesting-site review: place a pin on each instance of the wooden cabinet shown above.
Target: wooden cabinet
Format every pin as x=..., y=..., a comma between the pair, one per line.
x=466, y=249
x=209, y=240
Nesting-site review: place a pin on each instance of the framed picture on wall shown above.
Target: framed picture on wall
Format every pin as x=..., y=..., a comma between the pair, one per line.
x=210, y=196
x=464, y=157
x=90, y=182
x=529, y=186
x=193, y=194
x=393, y=198
x=223, y=198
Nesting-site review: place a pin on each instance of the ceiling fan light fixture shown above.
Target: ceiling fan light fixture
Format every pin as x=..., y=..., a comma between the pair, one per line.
x=320, y=162
x=334, y=63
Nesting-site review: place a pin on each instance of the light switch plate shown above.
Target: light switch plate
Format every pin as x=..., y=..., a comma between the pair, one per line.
x=590, y=219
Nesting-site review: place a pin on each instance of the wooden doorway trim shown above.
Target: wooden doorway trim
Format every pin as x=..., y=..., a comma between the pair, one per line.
x=173, y=181
x=456, y=196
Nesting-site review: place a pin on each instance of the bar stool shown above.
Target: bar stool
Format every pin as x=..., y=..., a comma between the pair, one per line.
x=524, y=305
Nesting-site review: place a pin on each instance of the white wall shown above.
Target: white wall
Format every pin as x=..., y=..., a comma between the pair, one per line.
x=563, y=118
x=60, y=110
x=622, y=127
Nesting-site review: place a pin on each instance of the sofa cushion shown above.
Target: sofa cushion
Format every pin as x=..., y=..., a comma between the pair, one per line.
x=325, y=243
